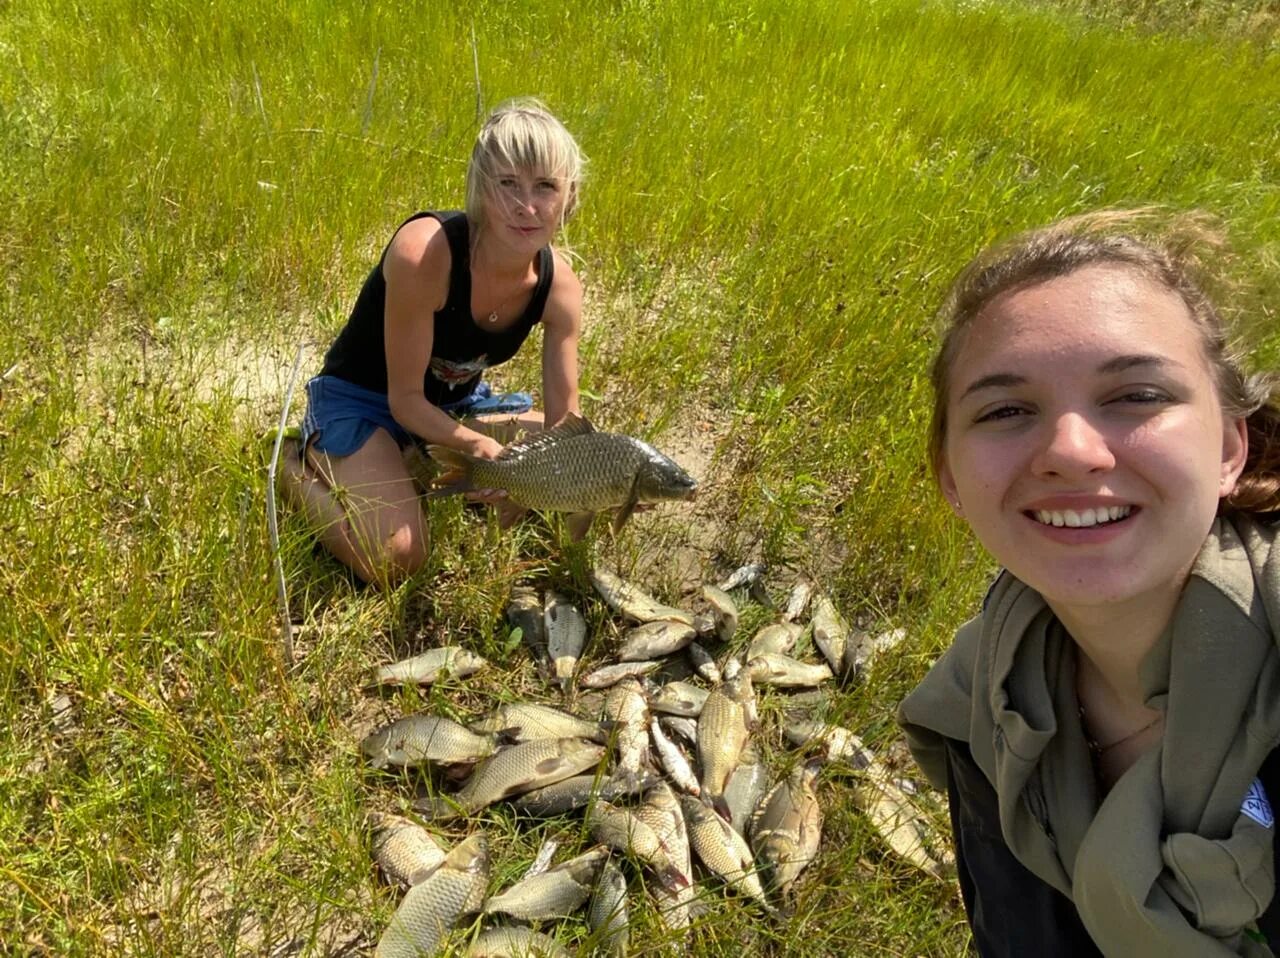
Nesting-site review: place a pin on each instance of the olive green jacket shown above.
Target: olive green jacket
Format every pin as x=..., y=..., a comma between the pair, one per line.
x=1173, y=861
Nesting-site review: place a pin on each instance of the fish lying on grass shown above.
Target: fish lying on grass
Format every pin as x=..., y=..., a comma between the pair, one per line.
x=704, y=664
x=404, y=851
x=570, y=468
x=519, y=768
x=673, y=760
x=724, y=612
x=513, y=941
x=679, y=698
x=626, y=707
x=782, y=671
x=723, y=850
x=452, y=661
x=435, y=905
x=787, y=828
x=899, y=823
x=661, y=811
x=579, y=791
x=746, y=787
x=830, y=631
x=653, y=639
x=527, y=721
x=556, y=893
x=607, y=913
x=524, y=612
x=838, y=744
x=724, y=727
x=780, y=637
x=631, y=602
x=418, y=739
x=608, y=675
x=622, y=830
x=566, y=632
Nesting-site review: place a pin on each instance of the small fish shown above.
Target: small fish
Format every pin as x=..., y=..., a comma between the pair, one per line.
x=744, y=575
x=838, y=744
x=607, y=913
x=579, y=791
x=898, y=822
x=704, y=664
x=679, y=698
x=542, y=860
x=566, y=631
x=630, y=601
x=514, y=770
x=514, y=941
x=782, y=671
x=661, y=811
x=724, y=727
x=725, y=611
x=526, y=721
x=673, y=760
x=434, y=906
x=830, y=631
x=704, y=623
x=556, y=893
x=404, y=851
x=723, y=850
x=860, y=655
x=746, y=786
x=418, y=739
x=684, y=727
x=609, y=675
x=524, y=612
x=453, y=661
x=626, y=707
x=623, y=831
x=780, y=637
x=654, y=639
x=786, y=828
x=797, y=600
x=570, y=468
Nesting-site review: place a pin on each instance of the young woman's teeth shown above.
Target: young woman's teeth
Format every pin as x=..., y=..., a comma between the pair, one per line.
x=1089, y=517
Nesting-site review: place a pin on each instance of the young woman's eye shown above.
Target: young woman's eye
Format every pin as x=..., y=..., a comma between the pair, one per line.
x=999, y=413
x=549, y=186
x=1144, y=396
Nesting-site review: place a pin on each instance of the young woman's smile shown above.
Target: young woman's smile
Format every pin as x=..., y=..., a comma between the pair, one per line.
x=1086, y=445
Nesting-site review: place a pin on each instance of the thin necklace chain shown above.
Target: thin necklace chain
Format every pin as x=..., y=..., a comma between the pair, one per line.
x=1098, y=749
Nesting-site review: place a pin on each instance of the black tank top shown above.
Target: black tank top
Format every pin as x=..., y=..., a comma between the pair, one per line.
x=461, y=349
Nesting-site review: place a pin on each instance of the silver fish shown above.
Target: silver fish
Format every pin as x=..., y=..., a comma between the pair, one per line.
x=830, y=631
x=732, y=666
x=782, y=671
x=556, y=893
x=608, y=675
x=607, y=913
x=417, y=739
x=513, y=941
x=661, y=811
x=898, y=822
x=566, y=636
x=704, y=664
x=570, y=468
x=627, y=708
x=542, y=860
x=654, y=639
x=527, y=721
x=580, y=791
x=673, y=760
x=779, y=637
x=679, y=698
x=434, y=905
x=512, y=771
x=723, y=850
x=744, y=575
x=404, y=850
x=630, y=601
x=524, y=612
x=704, y=623
x=797, y=600
x=838, y=744
x=787, y=828
x=746, y=787
x=622, y=830
x=859, y=655
x=723, y=730
x=725, y=611
x=452, y=661
x=686, y=728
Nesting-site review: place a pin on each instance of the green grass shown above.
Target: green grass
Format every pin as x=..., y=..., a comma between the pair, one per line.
x=776, y=202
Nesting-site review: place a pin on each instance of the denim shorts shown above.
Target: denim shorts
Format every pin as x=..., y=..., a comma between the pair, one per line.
x=341, y=416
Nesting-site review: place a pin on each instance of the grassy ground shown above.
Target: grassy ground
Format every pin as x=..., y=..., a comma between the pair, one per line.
x=775, y=205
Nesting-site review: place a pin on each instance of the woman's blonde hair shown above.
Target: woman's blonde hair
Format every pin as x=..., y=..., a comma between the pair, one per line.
x=1168, y=250
x=523, y=134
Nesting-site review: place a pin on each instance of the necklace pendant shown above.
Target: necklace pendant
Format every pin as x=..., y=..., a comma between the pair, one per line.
x=493, y=317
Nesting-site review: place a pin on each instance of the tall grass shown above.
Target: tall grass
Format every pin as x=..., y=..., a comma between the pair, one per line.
x=776, y=201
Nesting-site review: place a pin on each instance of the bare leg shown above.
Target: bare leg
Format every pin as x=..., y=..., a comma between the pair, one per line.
x=364, y=507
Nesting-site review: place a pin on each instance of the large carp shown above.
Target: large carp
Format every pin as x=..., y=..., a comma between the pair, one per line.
x=570, y=468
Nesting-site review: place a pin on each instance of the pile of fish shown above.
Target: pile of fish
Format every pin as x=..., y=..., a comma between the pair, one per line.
x=661, y=753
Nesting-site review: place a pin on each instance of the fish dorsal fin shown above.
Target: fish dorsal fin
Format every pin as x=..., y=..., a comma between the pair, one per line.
x=571, y=425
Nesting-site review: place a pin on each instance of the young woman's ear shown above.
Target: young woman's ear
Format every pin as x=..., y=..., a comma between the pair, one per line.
x=1235, y=450
x=947, y=483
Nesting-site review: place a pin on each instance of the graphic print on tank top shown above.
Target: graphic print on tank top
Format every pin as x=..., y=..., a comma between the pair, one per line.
x=453, y=373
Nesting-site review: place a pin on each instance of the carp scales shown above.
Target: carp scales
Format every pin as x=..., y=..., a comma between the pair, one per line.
x=724, y=727
x=556, y=893
x=607, y=913
x=787, y=828
x=654, y=639
x=580, y=791
x=417, y=739
x=452, y=661
x=899, y=823
x=434, y=906
x=782, y=671
x=723, y=850
x=566, y=632
x=512, y=941
x=527, y=722
x=830, y=631
x=570, y=468
x=519, y=768
x=404, y=850
x=626, y=707
x=631, y=602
